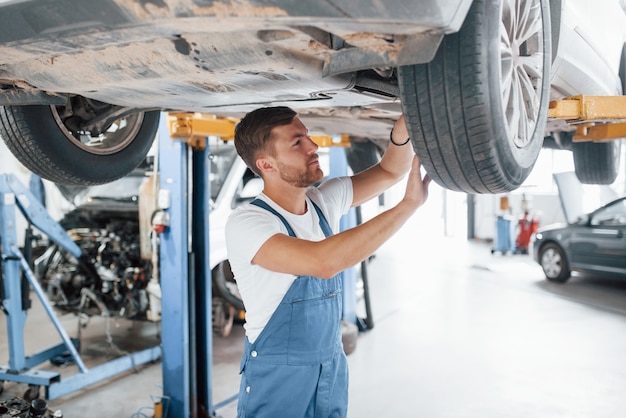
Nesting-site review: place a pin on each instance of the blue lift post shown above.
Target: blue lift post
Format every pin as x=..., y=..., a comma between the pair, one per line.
x=13, y=194
x=339, y=167
x=185, y=279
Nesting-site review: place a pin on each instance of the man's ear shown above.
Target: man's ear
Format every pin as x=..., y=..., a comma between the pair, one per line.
x=265, y=165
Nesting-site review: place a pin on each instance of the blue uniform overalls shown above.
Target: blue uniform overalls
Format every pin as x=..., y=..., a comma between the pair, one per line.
x=297, y=367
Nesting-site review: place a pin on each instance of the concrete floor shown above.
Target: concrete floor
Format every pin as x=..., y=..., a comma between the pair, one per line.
x=458, y=332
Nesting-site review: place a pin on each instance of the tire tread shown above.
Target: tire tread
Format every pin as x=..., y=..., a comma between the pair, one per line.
x=454, y=122
x=19, y=139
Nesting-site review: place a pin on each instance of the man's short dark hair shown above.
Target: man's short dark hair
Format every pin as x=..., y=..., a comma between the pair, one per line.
x=253, y=133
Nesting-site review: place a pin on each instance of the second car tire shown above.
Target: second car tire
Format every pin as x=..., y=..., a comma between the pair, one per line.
x=597, y=162
x=34, y=136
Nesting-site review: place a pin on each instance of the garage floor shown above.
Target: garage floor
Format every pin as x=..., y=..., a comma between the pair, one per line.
x=459, y=332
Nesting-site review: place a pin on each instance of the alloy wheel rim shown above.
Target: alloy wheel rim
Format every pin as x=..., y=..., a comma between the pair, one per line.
x=551, y=263
x=119, y=135
x=522, y=67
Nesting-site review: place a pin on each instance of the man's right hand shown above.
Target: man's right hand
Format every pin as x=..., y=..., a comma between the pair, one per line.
x=417, y=186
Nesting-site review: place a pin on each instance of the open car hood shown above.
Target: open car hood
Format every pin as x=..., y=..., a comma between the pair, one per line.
x=578, y=199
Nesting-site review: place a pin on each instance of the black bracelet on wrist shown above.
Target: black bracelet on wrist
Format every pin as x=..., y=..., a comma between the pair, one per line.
x=395, y=143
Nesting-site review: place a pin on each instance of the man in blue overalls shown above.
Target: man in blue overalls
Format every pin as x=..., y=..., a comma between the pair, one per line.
x=286, y=260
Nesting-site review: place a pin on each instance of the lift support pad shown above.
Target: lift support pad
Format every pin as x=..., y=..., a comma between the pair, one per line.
x=596, y=118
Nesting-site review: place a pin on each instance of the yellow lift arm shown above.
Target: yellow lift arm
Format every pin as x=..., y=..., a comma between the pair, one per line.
x=193, y=128
x=596, y=118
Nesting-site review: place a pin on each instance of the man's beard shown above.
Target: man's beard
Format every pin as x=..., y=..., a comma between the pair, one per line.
x=300, y=178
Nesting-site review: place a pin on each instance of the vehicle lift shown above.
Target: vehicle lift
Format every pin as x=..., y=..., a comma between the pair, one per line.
x=15, y=303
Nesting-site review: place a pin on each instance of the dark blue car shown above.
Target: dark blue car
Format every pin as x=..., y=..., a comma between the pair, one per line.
x=593, y=244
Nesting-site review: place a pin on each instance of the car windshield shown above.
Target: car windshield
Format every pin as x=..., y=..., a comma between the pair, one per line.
x=222, y=156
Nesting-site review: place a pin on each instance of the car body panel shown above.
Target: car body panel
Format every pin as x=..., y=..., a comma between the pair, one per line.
x=598, y=249
x=223, y=202
x=588, y=53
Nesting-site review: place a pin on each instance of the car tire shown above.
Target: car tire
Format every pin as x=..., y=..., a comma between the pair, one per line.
x=362, y=154
x=42, y=143
x=554, y=263
x=222, y=277
x=477, y=112
x=597, y=162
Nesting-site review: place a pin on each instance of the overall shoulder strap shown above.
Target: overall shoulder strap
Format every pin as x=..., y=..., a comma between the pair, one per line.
x=262, y=204
x=323, y=222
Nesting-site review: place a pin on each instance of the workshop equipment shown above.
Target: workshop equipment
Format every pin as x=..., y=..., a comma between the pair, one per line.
x=526, y=226
x=503, y=241
x=20, y=408
x=366, y=323
x=21, y=367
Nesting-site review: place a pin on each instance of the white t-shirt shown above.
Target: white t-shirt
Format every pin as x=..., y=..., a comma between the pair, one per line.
x=250, y=226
